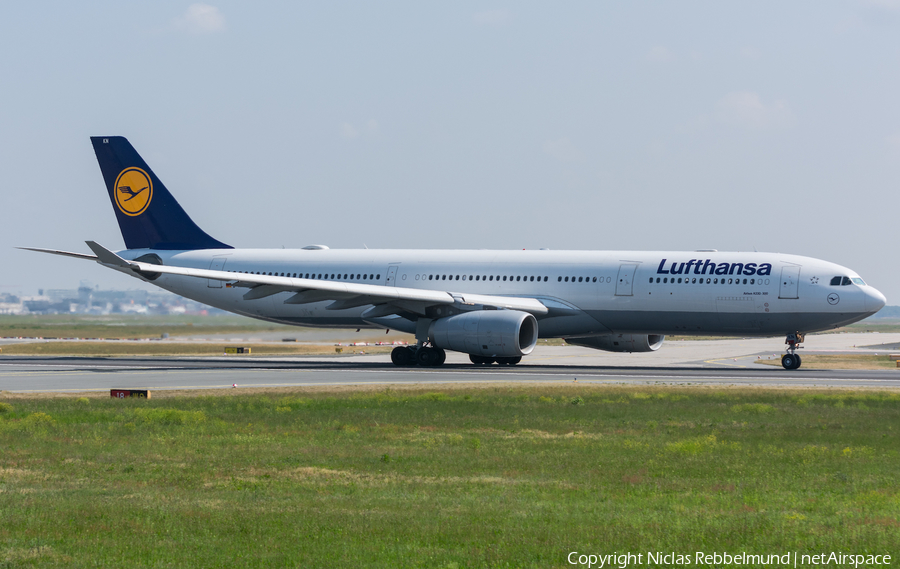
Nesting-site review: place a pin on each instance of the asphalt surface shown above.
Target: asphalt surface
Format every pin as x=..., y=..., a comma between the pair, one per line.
x=715, y=362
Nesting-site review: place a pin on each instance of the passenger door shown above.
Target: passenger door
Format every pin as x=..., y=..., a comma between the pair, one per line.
x=391, y=276
x=217, y=264
x=790, y=282
x=625, y=280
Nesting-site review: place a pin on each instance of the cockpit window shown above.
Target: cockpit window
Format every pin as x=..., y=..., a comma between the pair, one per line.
x=858, y=281
x=845, y=281
x=836, y=281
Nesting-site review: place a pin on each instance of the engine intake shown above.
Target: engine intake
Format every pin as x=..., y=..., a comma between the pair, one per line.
x=494, y=333
x=620, y=342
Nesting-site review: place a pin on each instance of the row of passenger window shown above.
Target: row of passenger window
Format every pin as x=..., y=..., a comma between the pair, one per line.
x=510, y=278
x=583, y=279
x=504, y=278
x=707, y=280
x=488, y=278
x=319, y=276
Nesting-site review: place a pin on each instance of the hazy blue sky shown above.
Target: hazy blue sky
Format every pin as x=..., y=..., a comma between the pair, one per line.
x=583, y=125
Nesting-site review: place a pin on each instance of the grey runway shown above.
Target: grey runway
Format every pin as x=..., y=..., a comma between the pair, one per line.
x=700, y=362
x=67, y=374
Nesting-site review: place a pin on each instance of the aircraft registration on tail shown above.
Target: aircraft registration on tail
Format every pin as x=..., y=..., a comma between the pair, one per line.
x=492, y=305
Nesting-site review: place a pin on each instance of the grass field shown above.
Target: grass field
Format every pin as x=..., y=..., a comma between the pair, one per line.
x=102, y=349
x=451, y=477
x=841, y=361
x=884, y=326
x=125, y=326
x=128, y=326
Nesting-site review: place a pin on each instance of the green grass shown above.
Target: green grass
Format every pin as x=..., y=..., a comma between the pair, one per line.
x=461, y=477
x=128, y=326
x=112, y=349
x=841, y=361
x=884, y=326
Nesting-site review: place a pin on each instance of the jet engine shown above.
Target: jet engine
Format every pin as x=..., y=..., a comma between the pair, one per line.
x=494, y=333
x=620, y=342
x=152, y=259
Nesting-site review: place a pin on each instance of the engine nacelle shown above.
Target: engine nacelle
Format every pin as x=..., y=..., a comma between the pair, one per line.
x=494, y=333
x=620, y=342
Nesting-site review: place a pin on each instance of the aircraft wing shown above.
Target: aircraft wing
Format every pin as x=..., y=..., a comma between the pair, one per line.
x=342, y=294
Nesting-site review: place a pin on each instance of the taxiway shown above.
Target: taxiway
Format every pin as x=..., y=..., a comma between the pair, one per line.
x=713, y=362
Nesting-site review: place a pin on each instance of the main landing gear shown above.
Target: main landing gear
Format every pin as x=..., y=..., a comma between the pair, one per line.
x=425, y=356
x=486, y=361
x=791, y=360
x=430, y=356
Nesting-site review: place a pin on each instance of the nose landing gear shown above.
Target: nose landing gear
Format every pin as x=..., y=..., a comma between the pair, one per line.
x=791, y=360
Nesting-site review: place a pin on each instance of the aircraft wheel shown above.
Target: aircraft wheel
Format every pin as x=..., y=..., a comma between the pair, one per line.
x=799, y=361
x=790, y=361
x=427, y=357
x=442, y=356
x=401, y=356
x=509, y=361
x=479, y=360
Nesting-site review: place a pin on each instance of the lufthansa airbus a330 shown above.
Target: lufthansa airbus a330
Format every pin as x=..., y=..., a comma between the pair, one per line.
x=492, y=305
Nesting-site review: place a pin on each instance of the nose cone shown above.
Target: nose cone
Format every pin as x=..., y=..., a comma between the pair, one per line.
x=875, y=301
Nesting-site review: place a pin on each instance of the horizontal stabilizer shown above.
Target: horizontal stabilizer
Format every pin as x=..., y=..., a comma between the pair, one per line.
x=62, y=253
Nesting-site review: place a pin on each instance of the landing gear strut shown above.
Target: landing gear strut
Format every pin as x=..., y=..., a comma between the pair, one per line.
x=791, y=360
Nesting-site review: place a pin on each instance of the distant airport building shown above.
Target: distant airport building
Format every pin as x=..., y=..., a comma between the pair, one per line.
x=87, y=299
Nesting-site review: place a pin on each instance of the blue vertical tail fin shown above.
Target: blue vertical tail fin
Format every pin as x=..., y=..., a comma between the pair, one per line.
x=148, y=215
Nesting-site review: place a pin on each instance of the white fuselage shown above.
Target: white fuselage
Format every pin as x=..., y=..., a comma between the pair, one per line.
x=587, y=292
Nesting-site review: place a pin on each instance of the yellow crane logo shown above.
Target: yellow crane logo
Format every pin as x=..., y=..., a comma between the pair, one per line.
x=133, y=191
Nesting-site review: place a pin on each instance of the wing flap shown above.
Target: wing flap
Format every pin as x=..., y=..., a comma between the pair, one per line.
x=354, y=302
x=313, y=295
x=262, y=291
x=532, y=305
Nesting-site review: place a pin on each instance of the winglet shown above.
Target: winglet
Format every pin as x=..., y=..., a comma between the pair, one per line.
x=107, y=257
